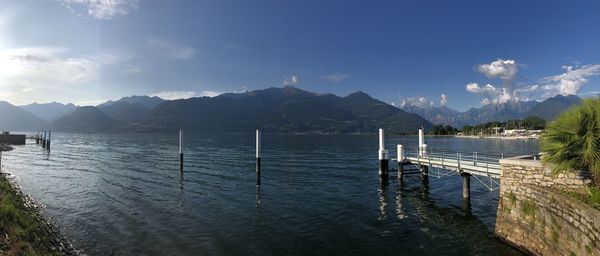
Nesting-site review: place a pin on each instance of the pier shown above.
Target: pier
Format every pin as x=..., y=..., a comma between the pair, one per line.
x=428, y=161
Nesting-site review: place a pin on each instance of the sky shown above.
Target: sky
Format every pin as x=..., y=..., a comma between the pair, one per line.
x=459, y=54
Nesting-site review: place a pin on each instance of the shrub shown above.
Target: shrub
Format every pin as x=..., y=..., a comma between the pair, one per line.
x=572, y=142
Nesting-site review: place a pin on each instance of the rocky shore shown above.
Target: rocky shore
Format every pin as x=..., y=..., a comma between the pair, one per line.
x=24, y=230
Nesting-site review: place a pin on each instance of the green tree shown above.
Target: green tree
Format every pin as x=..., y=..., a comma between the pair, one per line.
x=572, y=142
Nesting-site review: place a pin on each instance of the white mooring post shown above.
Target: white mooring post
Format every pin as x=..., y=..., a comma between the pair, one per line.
x=421, y=142
x=400, y=157
x=383, y=155
x=181, y=150
x=257, y=157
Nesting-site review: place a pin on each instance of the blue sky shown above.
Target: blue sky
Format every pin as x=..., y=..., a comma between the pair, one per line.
x=401, y=52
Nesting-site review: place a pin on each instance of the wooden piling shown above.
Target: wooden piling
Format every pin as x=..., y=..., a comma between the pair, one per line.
x=181, y=150
x=258, y=144
x=383, y=155
x=49, y=140
x=44, y=140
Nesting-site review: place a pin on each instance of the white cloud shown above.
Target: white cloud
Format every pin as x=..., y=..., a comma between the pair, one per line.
x=176, y=95
x=172, y=50
x=493, y=95
x=415, y=101
x=443, y=99
x=292, y=80
x=337, y=77
x=102, y=9
x=571, y=81
x=503, y=69
x=49, y=67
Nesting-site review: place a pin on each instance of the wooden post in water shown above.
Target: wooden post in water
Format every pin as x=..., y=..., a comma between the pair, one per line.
x=180, y=150
x=466, y=185
x=44, y=140
x=400, y=157
x=383, y=156
x=37, y=138
x=49, y=140
x=258, y=157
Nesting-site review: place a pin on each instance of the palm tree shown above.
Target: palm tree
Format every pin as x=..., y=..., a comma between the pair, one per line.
x=572, y=142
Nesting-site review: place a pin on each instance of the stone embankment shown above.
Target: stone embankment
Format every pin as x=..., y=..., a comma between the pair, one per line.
x=536, y=215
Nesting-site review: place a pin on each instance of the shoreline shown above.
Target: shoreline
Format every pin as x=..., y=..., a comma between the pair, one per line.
x=24, y=229
x=497, y=137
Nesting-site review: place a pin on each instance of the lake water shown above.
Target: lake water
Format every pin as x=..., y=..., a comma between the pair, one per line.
x=320, y=195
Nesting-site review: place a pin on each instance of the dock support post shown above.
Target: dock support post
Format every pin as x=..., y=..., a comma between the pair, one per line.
x=44, y=140
x=180, y=150
x=424, y=172
x=258, y=157
x=383, y=156
x=37, y=138
x=400, y=157
x=466, y=185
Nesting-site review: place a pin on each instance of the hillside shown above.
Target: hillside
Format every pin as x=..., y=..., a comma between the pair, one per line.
x=86, y=119
x=15, y=118
x=550, y=108
x=49, y=111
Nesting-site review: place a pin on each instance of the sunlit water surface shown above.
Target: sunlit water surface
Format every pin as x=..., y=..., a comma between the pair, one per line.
x=320, y=194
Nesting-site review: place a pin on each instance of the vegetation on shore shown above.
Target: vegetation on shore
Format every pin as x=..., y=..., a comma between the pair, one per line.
x=22, y=230
x=572, y=142
x=529, y=123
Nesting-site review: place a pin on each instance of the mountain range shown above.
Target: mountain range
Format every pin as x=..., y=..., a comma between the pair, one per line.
x=547, y=110
x=285, y=109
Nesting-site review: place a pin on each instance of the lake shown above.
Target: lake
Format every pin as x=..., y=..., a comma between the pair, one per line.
x=320, y=194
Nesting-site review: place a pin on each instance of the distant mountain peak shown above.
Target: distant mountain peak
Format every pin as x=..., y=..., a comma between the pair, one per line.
x=359, y=94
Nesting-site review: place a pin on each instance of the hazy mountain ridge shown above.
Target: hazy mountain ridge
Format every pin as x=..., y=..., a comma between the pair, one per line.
x=49, y=111
x=547, y=109
x=86, y=119
x=146, y=101
x=286, y=109
x=16, y=118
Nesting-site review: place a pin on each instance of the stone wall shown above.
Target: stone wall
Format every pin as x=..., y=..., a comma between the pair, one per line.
x=535, y=215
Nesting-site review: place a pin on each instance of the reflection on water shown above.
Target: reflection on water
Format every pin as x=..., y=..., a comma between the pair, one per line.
x=124, y=194
x=382, y=193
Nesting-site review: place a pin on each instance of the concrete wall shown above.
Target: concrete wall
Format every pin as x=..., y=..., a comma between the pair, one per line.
x=13, y=139
x=535, y=215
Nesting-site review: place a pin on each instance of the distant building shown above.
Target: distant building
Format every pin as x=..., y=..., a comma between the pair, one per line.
x=515, y=132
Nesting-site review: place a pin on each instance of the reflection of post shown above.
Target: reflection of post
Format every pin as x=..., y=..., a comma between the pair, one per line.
x=399, y=208
x=382, y=193
x=180, y=189
x=181, y=150
x=257, y=196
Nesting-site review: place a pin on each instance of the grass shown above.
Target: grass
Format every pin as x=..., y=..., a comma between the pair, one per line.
x=527, y=207
x=592, y=197
x=21, y=232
